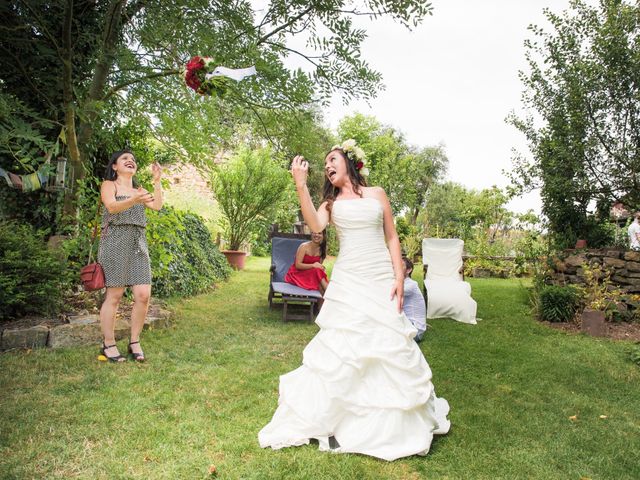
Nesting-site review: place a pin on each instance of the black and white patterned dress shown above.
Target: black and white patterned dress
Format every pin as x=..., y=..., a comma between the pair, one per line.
x=123, y=252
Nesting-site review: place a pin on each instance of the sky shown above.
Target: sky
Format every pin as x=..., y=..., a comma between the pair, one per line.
x=453, y=80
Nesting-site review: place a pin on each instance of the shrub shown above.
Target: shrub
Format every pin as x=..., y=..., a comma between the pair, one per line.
x=558, y=304
x=250, y=188
x=32, y=279
x=75, y=249
x=284, y=218
x=333, y=244
x=598, y=292
x=184, y=259
x=529, y=249
x=496, y=268
x=410, y=238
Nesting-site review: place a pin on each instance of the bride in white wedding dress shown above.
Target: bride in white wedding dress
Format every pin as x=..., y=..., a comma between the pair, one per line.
x=364, y=385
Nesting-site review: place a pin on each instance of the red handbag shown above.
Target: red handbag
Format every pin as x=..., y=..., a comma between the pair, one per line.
x=92, y=275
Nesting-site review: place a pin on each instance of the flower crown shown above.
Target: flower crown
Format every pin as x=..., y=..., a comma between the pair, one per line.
x=353, y=153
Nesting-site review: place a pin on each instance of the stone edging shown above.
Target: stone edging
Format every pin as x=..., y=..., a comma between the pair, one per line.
x=81, y=330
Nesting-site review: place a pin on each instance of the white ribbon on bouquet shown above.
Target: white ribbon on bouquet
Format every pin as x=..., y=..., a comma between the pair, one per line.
x=236, y=74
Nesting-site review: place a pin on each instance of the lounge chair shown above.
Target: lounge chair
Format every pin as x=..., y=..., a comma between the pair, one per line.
x=283, y=254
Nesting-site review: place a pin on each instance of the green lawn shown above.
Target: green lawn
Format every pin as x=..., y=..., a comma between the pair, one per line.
x=211, y=382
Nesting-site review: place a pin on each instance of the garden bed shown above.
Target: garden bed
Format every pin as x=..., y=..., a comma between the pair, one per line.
x=614, y=331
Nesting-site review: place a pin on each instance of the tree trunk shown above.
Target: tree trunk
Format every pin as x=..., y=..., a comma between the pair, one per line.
x=75, y=165
x=416, y=209
x=75, y=161
x=414, y=216
x=77, y=141
x=103, y=67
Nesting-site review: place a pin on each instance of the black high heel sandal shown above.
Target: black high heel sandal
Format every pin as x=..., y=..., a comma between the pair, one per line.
x=117, y=359
x=138, y=357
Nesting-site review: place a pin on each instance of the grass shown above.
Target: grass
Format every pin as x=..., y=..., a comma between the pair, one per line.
x=211, y=383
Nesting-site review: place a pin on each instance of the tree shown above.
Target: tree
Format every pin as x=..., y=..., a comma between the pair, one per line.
x=454, y=211
x=290, y=133
x=250, y=190
x=583, y=86
x=445, y=214
x=405, y=172
x=84, y=66
x=427, y=166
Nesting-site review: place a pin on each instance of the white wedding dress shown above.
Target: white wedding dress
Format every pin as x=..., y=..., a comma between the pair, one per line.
x=363, y=379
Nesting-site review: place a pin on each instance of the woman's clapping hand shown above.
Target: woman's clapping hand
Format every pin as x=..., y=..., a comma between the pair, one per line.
x=142, y=196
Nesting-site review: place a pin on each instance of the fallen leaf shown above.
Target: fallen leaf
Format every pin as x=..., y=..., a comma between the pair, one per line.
x=147, y=458
x=573, y=417
x=603, y=416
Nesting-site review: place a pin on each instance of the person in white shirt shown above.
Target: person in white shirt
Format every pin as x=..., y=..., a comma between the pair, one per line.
x=414, y=307
x=634, y=232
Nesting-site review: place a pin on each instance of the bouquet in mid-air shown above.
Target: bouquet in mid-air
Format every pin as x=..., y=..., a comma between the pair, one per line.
x=202, y=75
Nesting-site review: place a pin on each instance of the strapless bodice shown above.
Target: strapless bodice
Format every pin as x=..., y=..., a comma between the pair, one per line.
x=360, y=227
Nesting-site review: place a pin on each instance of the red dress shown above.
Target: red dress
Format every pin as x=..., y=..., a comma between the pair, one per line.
x=308, y=279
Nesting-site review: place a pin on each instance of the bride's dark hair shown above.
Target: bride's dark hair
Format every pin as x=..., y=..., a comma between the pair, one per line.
x=323, y=245
x=330, y=192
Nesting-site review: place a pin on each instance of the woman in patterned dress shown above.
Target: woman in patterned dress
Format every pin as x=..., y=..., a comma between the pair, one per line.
x=123, y=253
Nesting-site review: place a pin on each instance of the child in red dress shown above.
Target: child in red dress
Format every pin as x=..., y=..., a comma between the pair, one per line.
x=307, y=271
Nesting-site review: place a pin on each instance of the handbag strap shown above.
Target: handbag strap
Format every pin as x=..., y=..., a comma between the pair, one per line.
x=94, y=234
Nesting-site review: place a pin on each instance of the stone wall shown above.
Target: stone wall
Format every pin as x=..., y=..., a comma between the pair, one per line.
x=83, y=329
x=623, y=264
x=185, y=177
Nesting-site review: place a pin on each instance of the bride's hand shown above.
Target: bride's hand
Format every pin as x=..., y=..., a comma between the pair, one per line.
x=398, y=292
x=299, y=170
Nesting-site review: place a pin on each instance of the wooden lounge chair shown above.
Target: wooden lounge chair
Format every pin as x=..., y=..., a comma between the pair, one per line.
x=283, y=253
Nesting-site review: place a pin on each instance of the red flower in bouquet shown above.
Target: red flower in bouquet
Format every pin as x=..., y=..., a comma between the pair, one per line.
x=192, y=80
x=196, y=63
x=195, y=72
x=197, y=77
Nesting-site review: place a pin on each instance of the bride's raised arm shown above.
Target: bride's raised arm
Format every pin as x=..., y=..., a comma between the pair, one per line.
x=317, y=220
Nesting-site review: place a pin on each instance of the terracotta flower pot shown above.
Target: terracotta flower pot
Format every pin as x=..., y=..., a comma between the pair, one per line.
x=235, y=258
x=593, y=323
x=581, y=244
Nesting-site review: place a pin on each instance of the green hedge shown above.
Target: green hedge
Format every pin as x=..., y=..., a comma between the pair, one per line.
x=32, y=278
x=184, y=259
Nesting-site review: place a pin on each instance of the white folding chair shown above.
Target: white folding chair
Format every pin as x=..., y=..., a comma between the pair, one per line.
x=446, y=293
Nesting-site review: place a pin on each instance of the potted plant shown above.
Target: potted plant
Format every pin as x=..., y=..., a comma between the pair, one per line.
x=600, y=299
x=250, y=188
